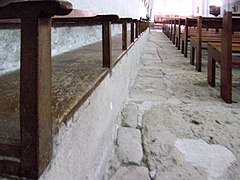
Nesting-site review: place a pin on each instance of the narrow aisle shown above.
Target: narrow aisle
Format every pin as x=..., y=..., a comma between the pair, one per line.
x=174, y=125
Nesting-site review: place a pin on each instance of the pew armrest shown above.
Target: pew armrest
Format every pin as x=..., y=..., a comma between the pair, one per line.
x=37, y=8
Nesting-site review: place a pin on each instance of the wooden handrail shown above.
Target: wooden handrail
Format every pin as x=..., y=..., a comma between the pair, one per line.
x=36, y=8
x=79, y=18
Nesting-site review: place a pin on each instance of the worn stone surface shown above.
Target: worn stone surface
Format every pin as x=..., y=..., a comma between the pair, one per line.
x=176, y=104
x=130, y=116
x=131, y=173
x=215, y=159
x=129, y=148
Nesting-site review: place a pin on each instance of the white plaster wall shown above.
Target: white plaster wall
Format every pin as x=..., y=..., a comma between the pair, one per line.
x=9, y=50
x=65, y=39
x=172, y=7
x=204, y=7
x=69, y=38
x=234, y=3
x=132, y=8
x=84, y=145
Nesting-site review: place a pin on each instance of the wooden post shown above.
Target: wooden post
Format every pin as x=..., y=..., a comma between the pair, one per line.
x=35, y=96
x=179, y=34
x=199, y=44
x=136, y=29
x=132, y=31
x=171, y=29
x=192, y=53
x=124, y=35
x=226, y=58
x=107, y=44
x=185, y=46
x=174, y=31
x=140, y=27
x=211, y=66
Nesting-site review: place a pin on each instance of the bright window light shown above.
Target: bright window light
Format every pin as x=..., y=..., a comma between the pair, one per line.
x=216, y=2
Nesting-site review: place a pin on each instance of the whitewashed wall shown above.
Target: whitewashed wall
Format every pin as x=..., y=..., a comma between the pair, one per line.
x=190, y=7
x=132, y=8
x=84, y=145
x=65, y=39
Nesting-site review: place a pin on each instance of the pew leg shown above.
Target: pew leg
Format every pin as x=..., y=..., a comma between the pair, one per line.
x=176, y=41
x=35, y=96
x=182, y=47
x=185, y=48
x=173, y=39
x=199, y=59
x=211, y=71
x=226, y=81
x=192, y=55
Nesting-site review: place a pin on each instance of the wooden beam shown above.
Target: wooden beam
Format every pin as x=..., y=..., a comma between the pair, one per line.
x=132, y=31
x=35, y=96
x=124, y=35
x=226, y=58
x=107, y=44
x=199, y=45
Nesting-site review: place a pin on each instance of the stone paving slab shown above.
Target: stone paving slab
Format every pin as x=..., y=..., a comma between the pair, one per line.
x=131, y=173
x=129, y=148
x=130, y=116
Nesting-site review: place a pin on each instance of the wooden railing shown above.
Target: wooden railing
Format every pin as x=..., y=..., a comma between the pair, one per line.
x=28, y=156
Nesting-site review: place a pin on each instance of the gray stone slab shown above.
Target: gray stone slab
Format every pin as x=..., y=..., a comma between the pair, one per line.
x=215, y=159
x=129, y=149
x=131, y=173
x=130, y=116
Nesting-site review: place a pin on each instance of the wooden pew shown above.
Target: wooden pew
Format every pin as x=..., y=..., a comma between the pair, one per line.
x=190, y=24
x=222, y=54
x=34, y=147
x=174, y=30
x=158, y=21
x=33, y=150
x=207, y=31
x=167, y=26
x=178, y=35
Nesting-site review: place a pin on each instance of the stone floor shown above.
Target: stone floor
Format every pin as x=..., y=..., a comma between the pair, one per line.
x=174, y=125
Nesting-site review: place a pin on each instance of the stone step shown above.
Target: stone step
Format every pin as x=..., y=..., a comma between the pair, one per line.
x=129, y=149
